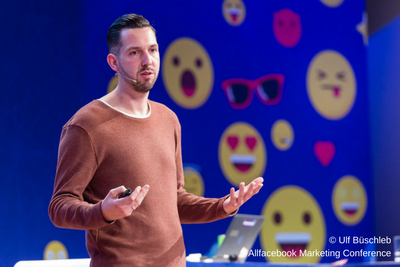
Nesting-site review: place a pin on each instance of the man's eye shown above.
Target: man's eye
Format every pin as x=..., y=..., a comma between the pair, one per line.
x=154, y=50
x=134, y=53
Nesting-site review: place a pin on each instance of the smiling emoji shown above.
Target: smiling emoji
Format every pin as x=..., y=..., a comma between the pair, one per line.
x=188, y=73
x=242, y=154
x=282, y=135
x=193, y=181
x=293, y=222
x=331, y=85
x=349, y=200
x=234, y=12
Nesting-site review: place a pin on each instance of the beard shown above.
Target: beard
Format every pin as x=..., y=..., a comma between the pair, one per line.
x=141, y=87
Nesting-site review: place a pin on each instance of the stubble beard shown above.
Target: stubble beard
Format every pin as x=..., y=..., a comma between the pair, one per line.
x=140, y=87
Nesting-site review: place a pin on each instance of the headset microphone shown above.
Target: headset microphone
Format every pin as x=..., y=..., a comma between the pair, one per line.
x=126, y=77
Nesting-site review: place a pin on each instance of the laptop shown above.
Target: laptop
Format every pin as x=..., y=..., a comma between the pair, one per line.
x=239, y=238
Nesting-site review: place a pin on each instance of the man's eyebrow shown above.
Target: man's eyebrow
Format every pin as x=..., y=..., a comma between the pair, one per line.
x=139, y=47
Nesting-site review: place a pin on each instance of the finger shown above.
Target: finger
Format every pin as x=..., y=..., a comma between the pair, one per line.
x=129, y=199
x=232, y=196
x=258, y=180
x=257, y=189
x=141, y=195
x=241, y=194
x=249, y=192
x=115, y=192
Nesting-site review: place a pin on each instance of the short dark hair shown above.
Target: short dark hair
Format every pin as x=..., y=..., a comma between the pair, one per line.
x=128, y=21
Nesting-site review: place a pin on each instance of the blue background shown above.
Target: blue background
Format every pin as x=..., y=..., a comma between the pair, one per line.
x=54, y=62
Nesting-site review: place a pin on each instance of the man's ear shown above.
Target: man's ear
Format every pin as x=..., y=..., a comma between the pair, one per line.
x=112, y=60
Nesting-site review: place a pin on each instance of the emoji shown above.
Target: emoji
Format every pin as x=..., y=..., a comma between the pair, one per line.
x=193, y=181
x=331, y=85
x=287, y=27
x=282, y=135
x=112, y=84
x=188, y=73
x=55, y=250
x=268, y=89
x=332, y=3
x=324, y=151
x=234, y=12
x=293, y=222
x=349, y=200
x=242, y=153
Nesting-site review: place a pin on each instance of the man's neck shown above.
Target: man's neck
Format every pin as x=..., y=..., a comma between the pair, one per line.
x=128, y=101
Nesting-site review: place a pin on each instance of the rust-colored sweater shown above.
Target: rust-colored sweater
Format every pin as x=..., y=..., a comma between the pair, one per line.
x=101, y=149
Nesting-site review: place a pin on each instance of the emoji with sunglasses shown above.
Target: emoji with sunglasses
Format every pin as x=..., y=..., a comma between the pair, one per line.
x=331, y=85
x=242, y=153
x=234, y=12
x=268, y=89
x=188, y=73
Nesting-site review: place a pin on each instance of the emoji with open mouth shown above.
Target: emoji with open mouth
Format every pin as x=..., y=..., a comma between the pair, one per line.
x=187, y=73
x=193, y=180
x=242, y=153
x=234, y=12
x=331, y=85
x=293, y=222
x=287, y=27
x=55, y=250
x=282, y=135
x=349, y=200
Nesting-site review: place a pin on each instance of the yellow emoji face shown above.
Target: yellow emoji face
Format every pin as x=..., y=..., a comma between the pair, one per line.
x=331, y=85
x=293, y=223
x=188, y=73
x=349, y=200
x=234, y=12
x=193, y=181
x=282, y=135
x=55, y=250
x=112, y=84
x=242, y=154
x=332, y=3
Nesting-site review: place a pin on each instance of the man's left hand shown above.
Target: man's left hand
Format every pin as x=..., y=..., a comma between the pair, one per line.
x=239, y=197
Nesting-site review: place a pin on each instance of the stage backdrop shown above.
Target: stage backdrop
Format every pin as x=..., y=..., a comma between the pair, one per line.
x=262, y=88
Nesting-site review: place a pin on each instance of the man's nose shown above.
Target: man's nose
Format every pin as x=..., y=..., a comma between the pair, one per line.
x=147, y=59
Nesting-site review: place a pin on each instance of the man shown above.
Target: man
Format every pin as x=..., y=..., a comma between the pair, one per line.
x=124, y=139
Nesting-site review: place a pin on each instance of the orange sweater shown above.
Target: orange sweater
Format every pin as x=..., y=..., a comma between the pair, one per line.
x=100, y=149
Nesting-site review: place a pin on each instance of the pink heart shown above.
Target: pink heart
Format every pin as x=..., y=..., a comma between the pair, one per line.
x=324, y=151
x=251, y=142
x=232, y=141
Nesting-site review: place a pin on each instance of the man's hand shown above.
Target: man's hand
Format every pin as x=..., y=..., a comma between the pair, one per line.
x=238, y=198
x=114, y=208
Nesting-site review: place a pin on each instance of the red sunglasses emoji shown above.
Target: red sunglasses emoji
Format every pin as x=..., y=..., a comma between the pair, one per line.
x=268, y=88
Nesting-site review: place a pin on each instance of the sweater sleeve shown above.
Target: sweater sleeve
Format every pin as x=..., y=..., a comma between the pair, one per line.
x=191, y=208
x=76, y=166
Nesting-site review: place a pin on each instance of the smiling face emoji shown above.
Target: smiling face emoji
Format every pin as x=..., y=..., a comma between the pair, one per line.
x=331, y=85
x=234, y=12
x=193, y=181
x=332, y=3
x=287, y=27
x=55, y=250
x=188, y=73
x=242, y=153
x=293, y=222
x=349, y=200
x=282, y=135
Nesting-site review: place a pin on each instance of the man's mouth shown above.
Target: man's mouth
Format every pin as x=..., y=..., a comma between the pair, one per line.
x=293, y=242
x=350, y=208
x=242, y=162
x=146, y=74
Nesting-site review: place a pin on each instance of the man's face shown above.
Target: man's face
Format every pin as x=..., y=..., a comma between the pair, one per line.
x=139, y=58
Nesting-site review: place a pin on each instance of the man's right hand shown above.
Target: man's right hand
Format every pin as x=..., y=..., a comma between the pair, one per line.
x=114, y=208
